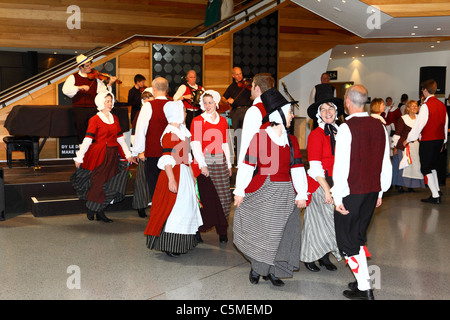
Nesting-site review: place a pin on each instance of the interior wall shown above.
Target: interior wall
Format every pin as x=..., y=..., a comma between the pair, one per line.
x=391, y=75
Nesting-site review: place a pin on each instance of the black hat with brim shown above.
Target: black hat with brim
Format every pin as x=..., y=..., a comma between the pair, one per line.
x=273, y=100
x=338, y=102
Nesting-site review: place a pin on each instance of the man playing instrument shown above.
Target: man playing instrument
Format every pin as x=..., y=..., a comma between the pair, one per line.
x=188, y=93
x=83, y=90
x=238, y=96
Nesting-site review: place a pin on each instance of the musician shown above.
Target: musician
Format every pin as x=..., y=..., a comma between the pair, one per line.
x=238, y=96
x=83, y=90
x=134, y=95
x=190, y=94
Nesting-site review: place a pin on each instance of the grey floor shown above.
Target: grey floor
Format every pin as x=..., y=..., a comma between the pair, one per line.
x=71, y=258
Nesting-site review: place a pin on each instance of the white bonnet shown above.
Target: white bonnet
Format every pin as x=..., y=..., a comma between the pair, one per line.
x=214, y=94
x=100, y=100
x=174, y=111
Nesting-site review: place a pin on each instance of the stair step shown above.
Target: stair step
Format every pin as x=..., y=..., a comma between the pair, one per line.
x=62, y=205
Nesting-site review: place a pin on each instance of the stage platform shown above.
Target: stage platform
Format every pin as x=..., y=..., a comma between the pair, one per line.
x=48, y=191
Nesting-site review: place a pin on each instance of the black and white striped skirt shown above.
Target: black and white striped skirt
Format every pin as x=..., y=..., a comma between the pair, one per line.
x=318, y=235
x=141, y=195
x=267, y=227
x=114, y=188
x=172, y=242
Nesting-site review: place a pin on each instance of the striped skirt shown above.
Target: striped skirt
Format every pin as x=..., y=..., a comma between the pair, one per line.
x=261, y=230
x=141, y=195
x=172, y=242
x=318, y=235
x=113, y=190
x=220, y=176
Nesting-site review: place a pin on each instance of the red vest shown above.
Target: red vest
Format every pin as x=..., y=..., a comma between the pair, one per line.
x=366, y=156
x=85, y=98
x=434, y=129
x=156, y=126
x=187, y=102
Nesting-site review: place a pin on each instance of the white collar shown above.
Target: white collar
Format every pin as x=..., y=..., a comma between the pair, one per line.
x=257, y=100
x=377, y=116
x=322, y=125
x=182, y=132
x=431, y=95
x=105, y=119
x=278, y=140
x=208, y=117
x=357, y=114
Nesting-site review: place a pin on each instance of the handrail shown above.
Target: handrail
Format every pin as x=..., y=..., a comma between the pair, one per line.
x=64, y=67
x=235, y=13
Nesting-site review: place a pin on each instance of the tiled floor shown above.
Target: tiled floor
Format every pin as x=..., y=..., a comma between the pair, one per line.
x=71, y=258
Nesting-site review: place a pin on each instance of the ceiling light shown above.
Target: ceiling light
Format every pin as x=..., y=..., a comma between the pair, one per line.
x=438, y=29
x=345, y=52
x=415, y=27
x=337, y=9
x=356, y=47
x=413, y=33
x=432, y=46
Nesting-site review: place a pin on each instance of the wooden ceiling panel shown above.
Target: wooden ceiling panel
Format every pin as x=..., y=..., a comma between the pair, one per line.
x=405, y=8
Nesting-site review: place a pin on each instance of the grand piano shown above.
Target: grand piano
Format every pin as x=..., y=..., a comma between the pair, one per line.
x=44, y=121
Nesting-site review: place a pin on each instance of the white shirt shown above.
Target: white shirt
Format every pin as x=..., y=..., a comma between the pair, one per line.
x=142, y=126
x=70, y=89
x=252, y=123
x=341, y=167
x=181, y=91
x=421, y=121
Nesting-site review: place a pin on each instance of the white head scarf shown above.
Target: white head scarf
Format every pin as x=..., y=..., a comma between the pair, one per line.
x=214, y=94
x=276, y=117
x=100, y=100
x=174, y=112
x=319, y=118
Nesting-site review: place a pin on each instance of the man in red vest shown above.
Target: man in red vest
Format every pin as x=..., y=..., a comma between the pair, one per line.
x=431, y=128
x=83, y=91
x=362, y=172
x=150, y=125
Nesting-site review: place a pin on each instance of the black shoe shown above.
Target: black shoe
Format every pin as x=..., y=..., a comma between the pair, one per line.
x=432, y=200
x=198, y=237
x=357, y=294
x=253, y=277
x=400, y=189
x=328, y=265
x=311, y=266
x=223, y=238
x=102, y=217
x=411, y=190
x=90, y=214
x=172, y=254
x=275, y=281
x=353, y=285
x=141, y=213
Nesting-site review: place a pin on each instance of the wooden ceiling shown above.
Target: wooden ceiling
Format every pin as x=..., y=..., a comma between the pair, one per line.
x=415, y=8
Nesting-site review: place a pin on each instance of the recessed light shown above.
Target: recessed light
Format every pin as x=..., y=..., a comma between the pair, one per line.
x=362, y=55
x=432, y=46
x=415, y=27
x=345, y=52
x=356, y=47
x=413, y=33
x=438, y=29
x=438, y=41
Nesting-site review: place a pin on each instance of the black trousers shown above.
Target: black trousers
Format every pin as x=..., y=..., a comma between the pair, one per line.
x=429, y=153
x=351, y=229
x=151, y=173
x=190, y=115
